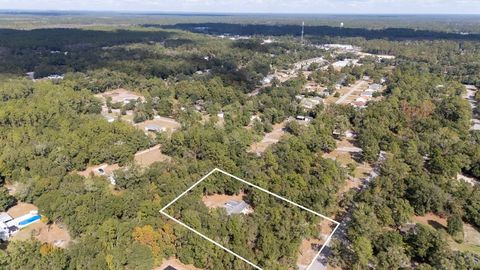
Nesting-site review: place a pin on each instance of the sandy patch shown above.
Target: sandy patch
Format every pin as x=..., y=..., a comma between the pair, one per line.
x=21, y=209
x=308, y=250
x=219, y=200
x=148, y=157
x=120, y=95
x=53, y=234
x=176, y=264
x=431, y=220
x=163, y=122
x=471, y=235
x=352, y=183
x=93, y=170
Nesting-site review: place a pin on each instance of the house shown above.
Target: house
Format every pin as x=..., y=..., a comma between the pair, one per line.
x=267, y=41
x=4, y=230
x=110, y=119
x=304, y=120
x=368, y=93
x=360, y=102
x=200, y=105
x=130, y=98
x=237, y=207
x=375, y=87
x=268, y=79
x=255, y=117
x=350, y=134
x=30, y=75
x=55, y=77
x=310, y=103
x=468, y=86
x=9, y=225
x=154, y=128
x=340, y=47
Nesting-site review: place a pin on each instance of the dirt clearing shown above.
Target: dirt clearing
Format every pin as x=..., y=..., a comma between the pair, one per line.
x=148, y=157
x=107, y=168
x=219, y=200
x=120, y=95
x=269, y=139
x=21, y=209
x=168, y=124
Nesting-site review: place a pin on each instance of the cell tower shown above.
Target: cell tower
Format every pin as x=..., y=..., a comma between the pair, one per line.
x=303, y=30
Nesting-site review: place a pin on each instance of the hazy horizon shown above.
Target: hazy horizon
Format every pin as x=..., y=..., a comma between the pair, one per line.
x=319, y=7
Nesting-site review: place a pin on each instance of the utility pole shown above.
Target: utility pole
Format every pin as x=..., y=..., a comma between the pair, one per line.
x=303, y=31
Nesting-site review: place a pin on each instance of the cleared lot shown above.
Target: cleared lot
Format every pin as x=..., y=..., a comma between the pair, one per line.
x=148, y=157
x=166, y=123
x=219, y=200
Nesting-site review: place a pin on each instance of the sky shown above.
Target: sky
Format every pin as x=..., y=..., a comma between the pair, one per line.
x=256, y=6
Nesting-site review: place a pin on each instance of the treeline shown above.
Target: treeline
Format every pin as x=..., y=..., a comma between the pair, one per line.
x=295, y=30
x=113, y=57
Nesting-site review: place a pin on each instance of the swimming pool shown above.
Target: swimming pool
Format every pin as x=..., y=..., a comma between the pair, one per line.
x=29, y=220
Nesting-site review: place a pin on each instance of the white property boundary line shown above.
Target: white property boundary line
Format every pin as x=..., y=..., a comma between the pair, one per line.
x=257, y=187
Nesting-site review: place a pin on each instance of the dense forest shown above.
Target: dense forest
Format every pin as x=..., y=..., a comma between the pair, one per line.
x=419, y=126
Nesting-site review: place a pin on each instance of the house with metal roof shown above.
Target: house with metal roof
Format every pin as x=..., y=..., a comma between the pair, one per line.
x=237, y=207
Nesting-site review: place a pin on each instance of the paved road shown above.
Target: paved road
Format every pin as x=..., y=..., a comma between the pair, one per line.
x=470, y=97
x=356, y=87
x=322, y=260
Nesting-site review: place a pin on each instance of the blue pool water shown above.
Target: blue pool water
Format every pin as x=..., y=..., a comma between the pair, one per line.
x=29, y=220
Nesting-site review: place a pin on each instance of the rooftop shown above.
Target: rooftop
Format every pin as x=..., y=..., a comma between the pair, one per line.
x=237, y=207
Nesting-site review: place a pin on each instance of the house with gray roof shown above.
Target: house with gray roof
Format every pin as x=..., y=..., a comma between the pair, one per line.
x=237, y=207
